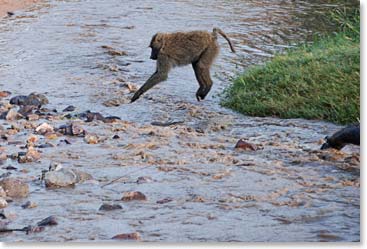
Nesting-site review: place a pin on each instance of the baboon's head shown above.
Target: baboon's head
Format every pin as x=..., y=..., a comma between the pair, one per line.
x=156, y=45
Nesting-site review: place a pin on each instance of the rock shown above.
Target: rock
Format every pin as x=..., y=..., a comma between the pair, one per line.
x=3, y=203
x=29, y=204
x=32, y=117
x=3, y=156
x=2, y=192
x=31, y=156
x=27, y=110
x=70, y=108
x=165, y=200
x=60, y=178
x=116, y=102
x=116, y=137
x=127, y=236
x=82, y=176
x=144, y=179
x=32, y=139
x=49, y=221
x=113, y=51
x=72, y=130
x=243, y=145
x=14, y=188
x=133, y=196
x=109, y=207
x=91, y=139
x=44, y=128
x=33, y=99
x=13, y=115
x=111, y=119
x=4, y=94
x=94, y=116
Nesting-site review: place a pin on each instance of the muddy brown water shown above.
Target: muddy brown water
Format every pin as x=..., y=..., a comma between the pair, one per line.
x=287, y=190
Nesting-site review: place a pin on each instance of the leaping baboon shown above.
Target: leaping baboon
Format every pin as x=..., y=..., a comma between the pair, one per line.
x=182, y=48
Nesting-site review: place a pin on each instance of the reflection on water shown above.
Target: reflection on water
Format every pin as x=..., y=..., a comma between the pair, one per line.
x=286, y=191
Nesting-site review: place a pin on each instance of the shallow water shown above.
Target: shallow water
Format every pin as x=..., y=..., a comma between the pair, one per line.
x=287, y=190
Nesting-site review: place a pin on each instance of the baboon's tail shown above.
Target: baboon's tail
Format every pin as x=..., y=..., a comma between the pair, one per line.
x=219, y=31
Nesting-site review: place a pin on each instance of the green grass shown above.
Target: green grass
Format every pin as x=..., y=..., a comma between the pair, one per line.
x=317, y=81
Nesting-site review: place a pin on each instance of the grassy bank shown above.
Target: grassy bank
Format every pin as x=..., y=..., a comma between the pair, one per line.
x=317, y=81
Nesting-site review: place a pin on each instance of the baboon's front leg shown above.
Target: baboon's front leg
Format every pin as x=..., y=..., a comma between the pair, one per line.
x=161, y=74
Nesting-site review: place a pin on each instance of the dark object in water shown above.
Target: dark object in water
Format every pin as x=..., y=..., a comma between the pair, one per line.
x=49, y=221
x=347, y=135
x=32, y=99
x=70, y=108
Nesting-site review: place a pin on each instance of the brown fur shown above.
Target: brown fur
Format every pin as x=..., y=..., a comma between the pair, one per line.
x=198, y=48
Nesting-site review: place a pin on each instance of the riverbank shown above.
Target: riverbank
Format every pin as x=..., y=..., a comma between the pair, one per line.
x=13, y=5
x=318, y=81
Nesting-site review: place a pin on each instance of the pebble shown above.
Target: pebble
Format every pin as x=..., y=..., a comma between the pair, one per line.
x=109, y=207
x=29, y=204
x=3, y=203
x=91, y=139
x=44, y=128
x=127, y=236
x=49, y=221
x=243, y=145
x=133, y=196
x=13, y=115
x=70, y=108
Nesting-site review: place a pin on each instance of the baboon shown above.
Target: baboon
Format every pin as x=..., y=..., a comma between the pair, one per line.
x=347, y=135
x=170, y=50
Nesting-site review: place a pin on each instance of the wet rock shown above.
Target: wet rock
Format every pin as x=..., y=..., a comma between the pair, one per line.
x=116, y=137
x=133, y=196
x=27, y=110
x=91, y=139
x=116, y=102
x=4, y=94
x=243, y=145
x=91, y=116
x=29, y=204
x=32, y=99
x=3, y=156
x=44, y=128
x=165, y=200
x=127, y=236
x=109, y=207
x=70, y=108
x=32, y=155
x=14, y=188
x=49, y=221
x=111, y=119
x=72, y=130
x=2, y=192
x=46, y=145
x=3, y=203
x=347, y=135
x=60, y=178
x=143, y=179
x=13, y=115
x=32, y=117
x=113, y=51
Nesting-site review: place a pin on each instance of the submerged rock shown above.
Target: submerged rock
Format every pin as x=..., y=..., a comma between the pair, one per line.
x=243, y=145
x=127, y=236
x=14, y=188
x=109, y=207
x=70, y=108
x=49, y=221
x=72, y=130
x=133, y=196
x=32, y=99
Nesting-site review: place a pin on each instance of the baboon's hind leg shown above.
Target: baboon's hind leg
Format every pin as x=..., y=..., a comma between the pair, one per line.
x=202, y=72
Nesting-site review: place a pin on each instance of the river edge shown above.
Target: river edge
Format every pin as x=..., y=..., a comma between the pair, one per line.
x=14, y=5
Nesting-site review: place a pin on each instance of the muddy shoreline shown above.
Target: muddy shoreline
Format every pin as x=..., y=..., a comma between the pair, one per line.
x=14, y=5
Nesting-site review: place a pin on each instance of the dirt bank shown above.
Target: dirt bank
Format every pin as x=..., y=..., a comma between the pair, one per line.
x=13, y=5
